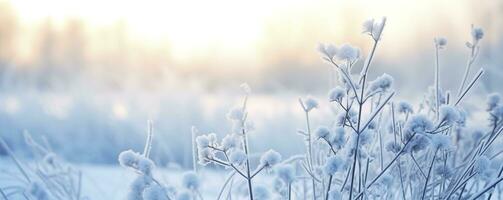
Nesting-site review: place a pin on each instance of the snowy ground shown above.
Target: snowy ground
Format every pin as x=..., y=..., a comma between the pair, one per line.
x=109, y=182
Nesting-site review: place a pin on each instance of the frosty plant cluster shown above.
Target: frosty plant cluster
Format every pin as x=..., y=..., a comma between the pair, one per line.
x=374, y=147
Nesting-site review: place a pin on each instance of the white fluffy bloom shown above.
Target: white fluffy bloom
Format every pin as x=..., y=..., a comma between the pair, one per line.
x=236, y=114
x=493, y=101
x=202, y=141
x=270, y=158
x=212, y=138
x=441, y=142
x=205, y=155
x=418, y=124
x=381, y=84
x=448, y=114
x=138, y=186
x=231, y=141
x=327, y=50
x=374, y=28
x=336, y=94
x=338, y=138
x=155, y=192
x=145, y=165
x=237, y=157
x=334, y=195
x=191, y=181
x=404, y=107
x=310, y=103
x=418, y=143
x=322, y=132
x=129, y=158
x=285, y=172
x=368, y=25
x=333, y=165
x=440, y=42
x=348, y=52
x=246, y=88
x=477, y=33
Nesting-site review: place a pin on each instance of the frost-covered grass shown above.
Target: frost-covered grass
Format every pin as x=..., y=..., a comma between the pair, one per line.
x=373, y=146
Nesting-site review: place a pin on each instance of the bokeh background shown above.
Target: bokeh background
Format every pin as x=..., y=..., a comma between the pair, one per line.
x=87, y=75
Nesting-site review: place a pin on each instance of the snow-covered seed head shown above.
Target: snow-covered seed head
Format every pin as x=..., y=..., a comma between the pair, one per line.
x=202, y=141
x=230, y=141
x=129, y=158
x=205, y=155
x=418, y=143
x=212, y=138
x=333, y=165
x=336, y=94
x=322, y=132
x=191, y=181
x=381, y=84
x=246, y=88
x=405, y=107
x=418, y=124
x=155, y=192
x=145, y=165
x=236, y=114
x=334, y=195
x=338, y=139
x=285, y=172
x=448, y=114
x=310, y=103
x=260, y=192
x=440, y=42
x=237, y=157
x=37, y=191
x=493, y=101
x=440, y=141
x=270, y=158
x=328, y=51
x=138, y=186
x=374, y=28
x=477, y=33
x=348, y=52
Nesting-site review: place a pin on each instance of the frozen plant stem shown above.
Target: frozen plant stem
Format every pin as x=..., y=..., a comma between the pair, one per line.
x=13, y=157
x=360, y=105
x=479, y=74
x=194, y=148
x=473, y=55
x=437, y=86
x=148, y=143
x=429, y=174
x=245, y=143
x=328, y=187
